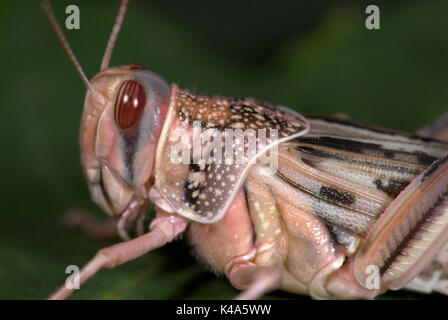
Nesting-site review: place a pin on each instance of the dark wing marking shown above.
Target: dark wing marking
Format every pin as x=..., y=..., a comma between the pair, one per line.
x=349, y=174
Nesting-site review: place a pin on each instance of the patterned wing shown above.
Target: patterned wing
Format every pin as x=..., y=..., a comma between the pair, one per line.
x=348, y=173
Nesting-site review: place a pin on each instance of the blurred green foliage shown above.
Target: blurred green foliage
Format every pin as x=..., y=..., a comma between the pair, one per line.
x=395, y=77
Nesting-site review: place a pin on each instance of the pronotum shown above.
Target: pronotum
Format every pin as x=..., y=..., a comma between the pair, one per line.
x=334, y=204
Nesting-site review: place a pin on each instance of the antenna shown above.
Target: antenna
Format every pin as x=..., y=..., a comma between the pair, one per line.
x=57, y=29
x=114, y=34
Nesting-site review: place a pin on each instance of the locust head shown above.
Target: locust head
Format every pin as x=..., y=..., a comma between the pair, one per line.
x=124, y=111
x=123, y=115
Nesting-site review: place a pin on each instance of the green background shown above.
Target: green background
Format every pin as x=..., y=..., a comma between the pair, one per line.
x=311, y=57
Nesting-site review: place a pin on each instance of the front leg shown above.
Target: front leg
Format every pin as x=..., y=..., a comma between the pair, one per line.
x=163, y=230
x=92, y=227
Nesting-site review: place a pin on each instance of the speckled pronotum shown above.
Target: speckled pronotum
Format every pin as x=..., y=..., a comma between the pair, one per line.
x=344, y=199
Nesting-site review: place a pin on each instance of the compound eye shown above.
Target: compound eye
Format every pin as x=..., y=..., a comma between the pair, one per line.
x=129, y=104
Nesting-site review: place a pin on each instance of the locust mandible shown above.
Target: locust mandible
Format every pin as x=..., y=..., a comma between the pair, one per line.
x=348, y=210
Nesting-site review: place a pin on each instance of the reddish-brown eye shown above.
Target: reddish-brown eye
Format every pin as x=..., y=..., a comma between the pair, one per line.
x=129, y=104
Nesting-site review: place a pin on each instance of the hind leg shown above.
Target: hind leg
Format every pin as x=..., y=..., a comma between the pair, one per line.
x=435, y=277
x=441, y=285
